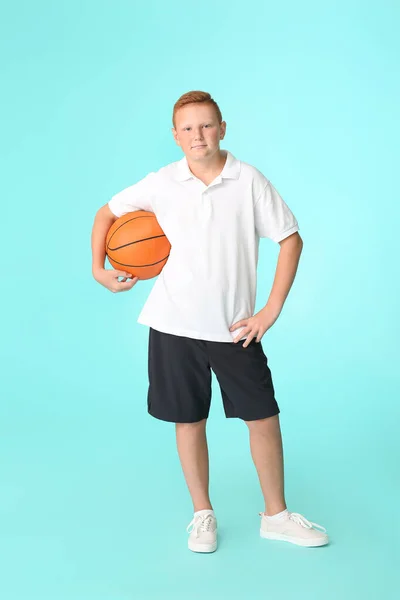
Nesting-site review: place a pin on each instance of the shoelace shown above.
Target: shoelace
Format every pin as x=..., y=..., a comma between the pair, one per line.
x=297, y=518
x=300, y=520
x=200, y=523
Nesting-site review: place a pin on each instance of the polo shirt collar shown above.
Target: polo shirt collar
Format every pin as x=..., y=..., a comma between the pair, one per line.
x=231, y=168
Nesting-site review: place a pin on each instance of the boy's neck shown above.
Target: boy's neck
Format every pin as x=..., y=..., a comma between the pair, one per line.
x=208, y=170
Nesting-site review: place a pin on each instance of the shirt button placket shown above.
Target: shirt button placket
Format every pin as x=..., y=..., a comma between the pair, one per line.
x=206, y=201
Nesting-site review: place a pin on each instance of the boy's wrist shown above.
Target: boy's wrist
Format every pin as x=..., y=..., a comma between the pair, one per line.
x=274, y=305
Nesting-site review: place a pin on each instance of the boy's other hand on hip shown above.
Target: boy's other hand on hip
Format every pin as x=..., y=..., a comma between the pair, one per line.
x=256, y=325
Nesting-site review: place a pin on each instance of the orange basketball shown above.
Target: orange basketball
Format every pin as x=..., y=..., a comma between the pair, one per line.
x=136, y=243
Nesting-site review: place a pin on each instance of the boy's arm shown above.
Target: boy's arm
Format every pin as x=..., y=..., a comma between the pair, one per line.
x=108, y=277
x=286, y=268
x=288, y=260
x=102, y=222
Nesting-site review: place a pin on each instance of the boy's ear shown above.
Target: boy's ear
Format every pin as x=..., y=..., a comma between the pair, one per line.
x=223, y=129
x=175, y=137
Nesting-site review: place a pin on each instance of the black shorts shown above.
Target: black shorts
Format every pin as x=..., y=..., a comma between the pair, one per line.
x=180, y=378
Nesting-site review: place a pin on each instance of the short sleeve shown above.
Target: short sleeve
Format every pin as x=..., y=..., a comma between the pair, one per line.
x=135, y=197
x=273, y=218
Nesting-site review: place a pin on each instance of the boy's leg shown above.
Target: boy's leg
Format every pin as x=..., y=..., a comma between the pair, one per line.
x=266, y=449
x=248, y=393
x=192, y=447
x=267, y=453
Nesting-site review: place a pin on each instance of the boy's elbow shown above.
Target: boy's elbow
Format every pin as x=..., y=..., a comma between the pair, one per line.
x=105, y=211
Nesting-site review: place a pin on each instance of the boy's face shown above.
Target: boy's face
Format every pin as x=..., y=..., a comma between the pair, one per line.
x=197, y=130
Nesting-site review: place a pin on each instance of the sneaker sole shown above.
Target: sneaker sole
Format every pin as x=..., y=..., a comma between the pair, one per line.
x=202, y=547
x=299, y=542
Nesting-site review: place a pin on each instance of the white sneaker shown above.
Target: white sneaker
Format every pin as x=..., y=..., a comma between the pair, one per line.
x=295, y=529
x=203, y=532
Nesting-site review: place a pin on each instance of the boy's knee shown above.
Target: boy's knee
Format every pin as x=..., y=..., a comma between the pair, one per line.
x=263, y=425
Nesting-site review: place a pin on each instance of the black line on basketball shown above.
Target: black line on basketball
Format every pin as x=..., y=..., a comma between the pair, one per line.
x=139, y=266
x=154, y=237
x=128, y=221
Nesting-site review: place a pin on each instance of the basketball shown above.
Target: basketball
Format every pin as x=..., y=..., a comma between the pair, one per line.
x=136, y=243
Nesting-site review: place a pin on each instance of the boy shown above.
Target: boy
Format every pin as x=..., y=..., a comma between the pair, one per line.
x=213, y=209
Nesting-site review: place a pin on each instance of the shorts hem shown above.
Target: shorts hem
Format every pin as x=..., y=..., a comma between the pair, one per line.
x=171, y=420
x=252, y=418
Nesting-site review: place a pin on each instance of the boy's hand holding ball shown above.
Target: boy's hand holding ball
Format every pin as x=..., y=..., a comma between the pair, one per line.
x=110, y=279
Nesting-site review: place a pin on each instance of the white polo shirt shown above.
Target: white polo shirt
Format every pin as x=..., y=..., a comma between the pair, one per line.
x=209, y=280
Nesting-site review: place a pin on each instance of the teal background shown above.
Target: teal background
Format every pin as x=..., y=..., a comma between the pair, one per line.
x=93, y=503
